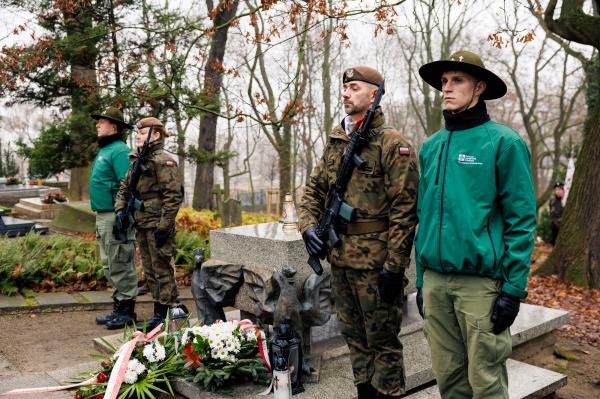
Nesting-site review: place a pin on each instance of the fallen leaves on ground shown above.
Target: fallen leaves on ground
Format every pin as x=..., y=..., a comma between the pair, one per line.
x=582, y=303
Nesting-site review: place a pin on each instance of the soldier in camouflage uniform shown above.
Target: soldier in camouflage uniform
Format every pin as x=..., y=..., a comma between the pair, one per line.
x=556, y=210
x=368, y=267
x=161, y=190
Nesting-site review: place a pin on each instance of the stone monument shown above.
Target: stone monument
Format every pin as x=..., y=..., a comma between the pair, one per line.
x=261, y=270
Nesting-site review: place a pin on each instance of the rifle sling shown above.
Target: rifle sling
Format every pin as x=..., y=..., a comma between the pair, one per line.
x=376, y=226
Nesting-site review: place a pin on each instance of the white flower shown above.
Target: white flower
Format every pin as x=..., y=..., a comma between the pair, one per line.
x=134, y=369
x=130, y=377
x=154, y=352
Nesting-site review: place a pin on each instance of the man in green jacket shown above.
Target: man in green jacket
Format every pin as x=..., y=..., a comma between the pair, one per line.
x=109, y=168
x=476, y=213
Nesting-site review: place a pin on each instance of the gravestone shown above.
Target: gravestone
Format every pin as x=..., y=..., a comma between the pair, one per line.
x=13, y=227
x=76, y=216
x=232, y=213
x=35, y=208
x=11, y=194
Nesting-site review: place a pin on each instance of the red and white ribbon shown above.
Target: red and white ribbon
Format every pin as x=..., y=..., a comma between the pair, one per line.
x=24, y=391
x=261, y=340
x=120, y=368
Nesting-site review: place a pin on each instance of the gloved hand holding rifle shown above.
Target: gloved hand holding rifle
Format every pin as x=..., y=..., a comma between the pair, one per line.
x=316, y=237
x=124, y=217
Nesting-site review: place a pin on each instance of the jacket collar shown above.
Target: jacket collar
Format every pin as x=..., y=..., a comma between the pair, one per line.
x=467, y=119
x=106, y=140
x=339, y=132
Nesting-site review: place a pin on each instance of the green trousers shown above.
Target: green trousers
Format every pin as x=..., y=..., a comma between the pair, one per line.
x=468, y=359
x=117, y=258
x=370, y=328
x=158, y=270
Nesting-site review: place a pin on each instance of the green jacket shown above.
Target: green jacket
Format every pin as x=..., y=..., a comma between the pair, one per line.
x=385, y=190
x=109, y=168
x=476, y=205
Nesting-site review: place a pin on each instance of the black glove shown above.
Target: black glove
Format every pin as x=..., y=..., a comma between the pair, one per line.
x=420, y=302
x=390, y=285
x=314, y=245
x=120, y=225
x=504, y=313
x=161, y=237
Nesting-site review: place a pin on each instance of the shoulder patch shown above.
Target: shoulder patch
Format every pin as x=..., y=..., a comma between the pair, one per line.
x=404, y=151
x=170, y=163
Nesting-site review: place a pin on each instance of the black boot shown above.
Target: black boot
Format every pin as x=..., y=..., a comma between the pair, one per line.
x=366, y=391
x=108, y=317
x=159, y=316
x=125, y=315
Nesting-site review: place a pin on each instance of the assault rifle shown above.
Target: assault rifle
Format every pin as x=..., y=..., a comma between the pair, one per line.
x=336, y=206
x=125, y=219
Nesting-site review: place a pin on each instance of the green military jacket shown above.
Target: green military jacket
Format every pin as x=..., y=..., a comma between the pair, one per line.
x=385, y=190
x=159, y=187
x=108, y=169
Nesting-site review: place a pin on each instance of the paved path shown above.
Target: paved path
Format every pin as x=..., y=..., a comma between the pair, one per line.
x=61, y=301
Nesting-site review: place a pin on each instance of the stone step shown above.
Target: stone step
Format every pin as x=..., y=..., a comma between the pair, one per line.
x=34, y=213
x=524, y=382
x=37, y=203
x=46, y=379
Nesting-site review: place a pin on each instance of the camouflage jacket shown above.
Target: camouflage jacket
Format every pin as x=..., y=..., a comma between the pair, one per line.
x=160, y=188
x=556, y=210
x=385, y=190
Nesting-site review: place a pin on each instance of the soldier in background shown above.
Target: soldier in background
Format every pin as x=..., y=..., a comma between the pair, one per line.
x=556, y=209
x=117, y=258
x=161, y=190
x=368, y=268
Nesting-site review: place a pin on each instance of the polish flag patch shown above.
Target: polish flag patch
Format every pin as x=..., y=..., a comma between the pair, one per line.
x=404, y=151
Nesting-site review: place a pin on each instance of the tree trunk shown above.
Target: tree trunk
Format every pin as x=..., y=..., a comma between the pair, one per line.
x=576, y=256
x=213, y=78
x=79, y=184
x=84, y=100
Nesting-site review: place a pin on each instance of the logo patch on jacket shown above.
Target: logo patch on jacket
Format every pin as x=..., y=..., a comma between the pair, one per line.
x=405, y=151
x=169, y=163
x=468, y=159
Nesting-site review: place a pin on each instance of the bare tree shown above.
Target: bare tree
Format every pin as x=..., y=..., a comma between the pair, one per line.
x=545, y=106
x=576, y=255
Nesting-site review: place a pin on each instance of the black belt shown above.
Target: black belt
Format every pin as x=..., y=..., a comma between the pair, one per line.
x=376, y=226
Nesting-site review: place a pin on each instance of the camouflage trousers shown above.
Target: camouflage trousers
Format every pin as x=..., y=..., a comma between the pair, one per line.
x=117, y=258
x=158, y=270
x=371, y=329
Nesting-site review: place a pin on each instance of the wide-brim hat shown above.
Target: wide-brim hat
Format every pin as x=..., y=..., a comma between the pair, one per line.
x=114, y=115
x=468, y=62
